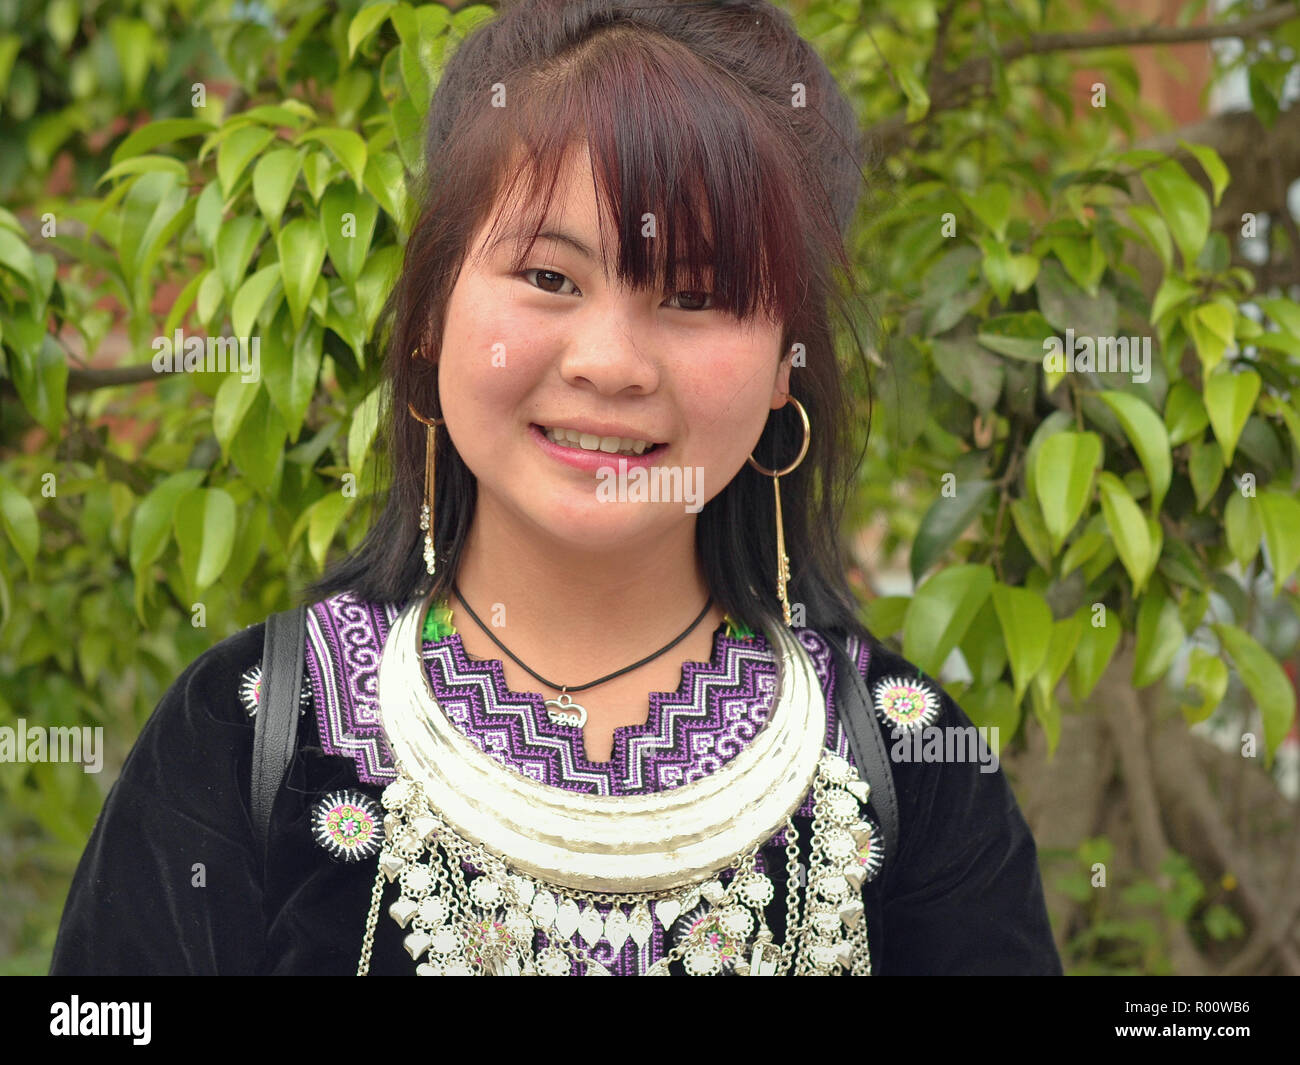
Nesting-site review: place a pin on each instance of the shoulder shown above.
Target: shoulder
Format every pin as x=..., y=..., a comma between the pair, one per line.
x=209, y=687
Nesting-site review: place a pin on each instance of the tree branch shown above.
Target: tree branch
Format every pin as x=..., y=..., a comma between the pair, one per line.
x=1128, y=726
x=1184, y=784
x=1131, y=36
x=891, y=135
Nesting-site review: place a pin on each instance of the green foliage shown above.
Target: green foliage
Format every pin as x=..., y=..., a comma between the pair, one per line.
x=1019, y=235
x=1125, y=921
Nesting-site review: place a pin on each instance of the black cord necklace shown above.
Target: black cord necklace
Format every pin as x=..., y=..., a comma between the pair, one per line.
x=564, y=703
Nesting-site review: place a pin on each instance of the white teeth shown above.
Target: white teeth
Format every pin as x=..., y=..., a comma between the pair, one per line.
x=610, y=445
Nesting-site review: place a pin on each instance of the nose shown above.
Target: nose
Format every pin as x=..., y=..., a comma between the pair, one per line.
x=606, y=356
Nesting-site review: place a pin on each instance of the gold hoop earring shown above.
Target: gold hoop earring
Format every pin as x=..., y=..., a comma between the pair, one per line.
x=782, y=559
x=430, y=462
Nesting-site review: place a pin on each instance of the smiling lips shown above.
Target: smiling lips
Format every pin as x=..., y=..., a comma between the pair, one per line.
x=611, y=445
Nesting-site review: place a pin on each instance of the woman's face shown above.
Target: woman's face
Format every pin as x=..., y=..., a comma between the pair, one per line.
x=559, y=348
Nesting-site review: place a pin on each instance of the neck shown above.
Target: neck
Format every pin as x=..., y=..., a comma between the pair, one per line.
x=574, y=611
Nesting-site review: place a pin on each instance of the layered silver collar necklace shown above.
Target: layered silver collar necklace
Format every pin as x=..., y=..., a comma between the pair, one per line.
x=542, y=850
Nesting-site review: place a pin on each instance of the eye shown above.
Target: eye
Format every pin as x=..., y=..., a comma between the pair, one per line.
x=551, y=278
x=705, y=299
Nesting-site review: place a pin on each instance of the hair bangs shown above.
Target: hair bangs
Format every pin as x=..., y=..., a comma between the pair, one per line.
x=695, y=200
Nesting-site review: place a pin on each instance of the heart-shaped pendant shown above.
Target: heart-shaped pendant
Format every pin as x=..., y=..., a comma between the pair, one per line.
x=566, y=711
x=667, y=910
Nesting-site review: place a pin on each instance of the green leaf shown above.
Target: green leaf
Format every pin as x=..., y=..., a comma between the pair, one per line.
x=237, y=151
x=1033, y=531
x=991, y=204
x=1128, y=527
x=1026, y=624
x=364, y=23
x=204, y=523
x=40, y=378
x=15, y=255
x=326, y=514
x=1063, y=476
x=1207, y=676
x=1159, y=636
x=144, y=164
x=133, y=42
x=1088, y=544
x=1229, y=399
x=1066, y=306
x=361, y=433
x=347, y=221
x=210, y=294
x=1172, y=294
x=233, y=400
x=945, y=521
x=1265, y=680
x=940, y=612
x=1094, y=651
x=993, y=707
x=1084, y=259
x=918, y=100
x=1205, y=466
x=258, y=448
x=316, y=168
x=1212, y=164
x=1212, y=330
x=984, y=648
x=1279, y=514
x=236, y=243
x=208, y=213
x=1146, y=433
x=251, y=298
x=386, y=182
x=151, y=525
x=61, y=20
x=1183, y=205
x=348, y=148
x=149, y=209
x=884, y=615
x=302, y=253
x=20, y=523
x=970, y=370
x=1019, y=336
x=1047, y=712
x=290, y=372
x=1185, y=415
x=375, y=283
x=1243, y=526
x=1060, y=651
x=273, y=181
x=1155, y=231
x=1285, y=312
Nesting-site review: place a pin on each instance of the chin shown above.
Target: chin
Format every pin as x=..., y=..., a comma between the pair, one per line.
x=594, y=526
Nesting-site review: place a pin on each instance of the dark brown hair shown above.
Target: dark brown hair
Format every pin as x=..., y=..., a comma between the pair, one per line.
x=723, y=122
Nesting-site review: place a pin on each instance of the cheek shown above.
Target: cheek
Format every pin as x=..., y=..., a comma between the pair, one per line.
x=488, y=357
x=729, y=396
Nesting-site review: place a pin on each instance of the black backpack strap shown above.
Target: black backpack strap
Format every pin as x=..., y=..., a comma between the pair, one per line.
x=275, y=728
x=858, y=716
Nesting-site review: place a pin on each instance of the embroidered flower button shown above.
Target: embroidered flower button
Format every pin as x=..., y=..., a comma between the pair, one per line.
x=906, y=703
x=349, y=825
x=250, y=692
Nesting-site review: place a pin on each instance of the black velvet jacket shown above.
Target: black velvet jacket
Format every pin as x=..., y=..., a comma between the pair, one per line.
x=171, y=881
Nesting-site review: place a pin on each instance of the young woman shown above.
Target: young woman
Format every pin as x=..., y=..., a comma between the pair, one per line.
x=575, y=706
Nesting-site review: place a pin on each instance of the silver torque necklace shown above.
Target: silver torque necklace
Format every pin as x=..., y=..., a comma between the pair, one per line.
x=604, y=843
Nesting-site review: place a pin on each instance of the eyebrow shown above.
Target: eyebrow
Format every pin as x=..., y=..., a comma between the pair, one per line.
x=559, y=236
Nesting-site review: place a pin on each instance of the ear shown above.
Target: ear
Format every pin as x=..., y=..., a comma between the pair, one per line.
x=781, y=387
